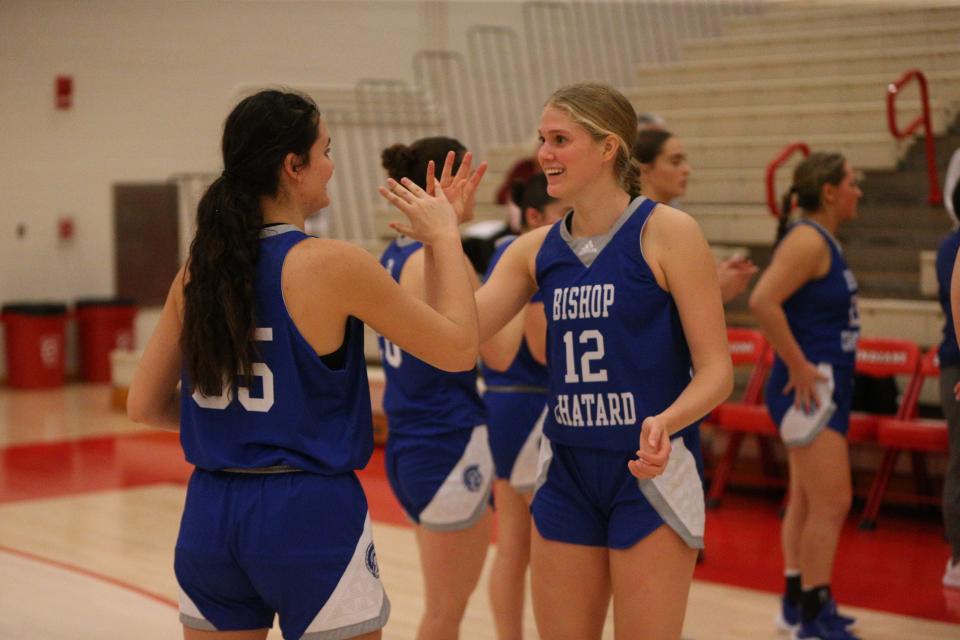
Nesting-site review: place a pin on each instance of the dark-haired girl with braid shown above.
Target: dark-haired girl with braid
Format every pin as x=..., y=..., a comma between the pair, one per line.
x=806, y=304
x=438, y=455
x=263, y=330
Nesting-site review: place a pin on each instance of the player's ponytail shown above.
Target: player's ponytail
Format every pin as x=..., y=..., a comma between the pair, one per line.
x=786, y=206
x=219, y=305
x=809, y=178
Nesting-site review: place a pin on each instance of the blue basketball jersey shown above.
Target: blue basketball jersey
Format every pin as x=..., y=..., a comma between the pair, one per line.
x=297, y=412
x=615, y=344
x=420, y=399
x=949, y=352
x=823, y=314
x=524, y=372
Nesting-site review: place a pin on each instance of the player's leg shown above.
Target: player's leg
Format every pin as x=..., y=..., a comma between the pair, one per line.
x=651, y=583
x=823, y=470
x=508, y=574
x=451, y=562
x=570, y=586
x=790, y=530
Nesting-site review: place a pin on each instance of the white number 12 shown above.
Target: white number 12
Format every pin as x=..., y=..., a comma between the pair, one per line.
x=596, y=354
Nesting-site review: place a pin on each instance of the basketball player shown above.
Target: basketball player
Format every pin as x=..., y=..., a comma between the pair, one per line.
x=263, y=330
x=664, y=171
x=638, y=354
x=516, y=395
x=438, y=454
x=806, y=304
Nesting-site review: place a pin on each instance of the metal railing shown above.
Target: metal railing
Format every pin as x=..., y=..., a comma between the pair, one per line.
x=492, y=92
x=893, y=89
x=771, y=173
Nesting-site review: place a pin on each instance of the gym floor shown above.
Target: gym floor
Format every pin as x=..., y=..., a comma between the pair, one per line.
x=90, y=505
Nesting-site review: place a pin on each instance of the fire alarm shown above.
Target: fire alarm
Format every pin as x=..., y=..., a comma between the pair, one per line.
x=63, y=92
x=65, y=228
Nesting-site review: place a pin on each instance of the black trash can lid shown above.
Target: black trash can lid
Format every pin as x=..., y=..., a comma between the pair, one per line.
x=104, y=302
x=36, y=308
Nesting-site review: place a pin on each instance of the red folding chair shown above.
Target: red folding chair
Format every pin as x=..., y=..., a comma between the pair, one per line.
x=747, y=416
x=882, y=358
x=906, y=432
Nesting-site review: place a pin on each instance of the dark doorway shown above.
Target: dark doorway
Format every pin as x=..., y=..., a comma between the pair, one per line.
x=146, y=235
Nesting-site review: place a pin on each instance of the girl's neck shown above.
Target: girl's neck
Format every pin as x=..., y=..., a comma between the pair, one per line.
x=598, y=208
x=276, y=211
x=653, y=194
x=825, y=219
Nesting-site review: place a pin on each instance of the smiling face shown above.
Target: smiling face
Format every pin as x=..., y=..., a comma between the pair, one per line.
x=666, y=177
x=569, y=156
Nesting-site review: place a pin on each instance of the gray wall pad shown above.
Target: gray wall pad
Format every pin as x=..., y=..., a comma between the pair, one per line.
x=354, y=630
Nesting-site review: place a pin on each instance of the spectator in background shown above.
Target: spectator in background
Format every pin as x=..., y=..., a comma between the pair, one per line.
x=948, y=263
x=664, y=171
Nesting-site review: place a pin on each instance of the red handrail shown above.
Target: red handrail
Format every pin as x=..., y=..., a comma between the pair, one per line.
x=772, y=170
x=893, y=89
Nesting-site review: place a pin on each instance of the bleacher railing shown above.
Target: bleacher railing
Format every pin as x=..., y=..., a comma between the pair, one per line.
x=893, y=89
x=771, y=175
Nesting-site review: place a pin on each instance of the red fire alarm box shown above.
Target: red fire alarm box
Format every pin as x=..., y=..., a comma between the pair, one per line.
x=63, y=92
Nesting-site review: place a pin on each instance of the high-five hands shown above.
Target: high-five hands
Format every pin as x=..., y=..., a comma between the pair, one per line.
x=430, y=217
x=654, y=451
x=460, y=188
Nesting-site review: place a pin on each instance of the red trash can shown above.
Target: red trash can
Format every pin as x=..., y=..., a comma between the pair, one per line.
x=102, y=326
x=34, y=339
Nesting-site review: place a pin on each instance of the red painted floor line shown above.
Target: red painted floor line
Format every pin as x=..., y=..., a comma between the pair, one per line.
x=896, y=568
x=90, y=574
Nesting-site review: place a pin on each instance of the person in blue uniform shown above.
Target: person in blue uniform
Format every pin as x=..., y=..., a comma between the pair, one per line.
x=263, y=330
x=637, y=355
x=516, y=382
x=438, y=454
x=664, y=172
x=806, y=304
x=948, y=278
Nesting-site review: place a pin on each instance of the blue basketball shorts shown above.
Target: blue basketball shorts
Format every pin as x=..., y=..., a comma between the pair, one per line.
x=799, y=428
x=443, y=481
x=515, y=421
x=295, y=544
x=589, y=497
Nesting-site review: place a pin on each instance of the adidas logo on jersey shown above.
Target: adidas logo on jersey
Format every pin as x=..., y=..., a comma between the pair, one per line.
x=588, y=247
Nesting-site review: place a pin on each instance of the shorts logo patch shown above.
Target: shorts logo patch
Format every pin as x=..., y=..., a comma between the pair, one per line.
x=473, y=478
x=371, y=558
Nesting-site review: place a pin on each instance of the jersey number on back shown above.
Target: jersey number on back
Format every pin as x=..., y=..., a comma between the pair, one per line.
x=260, y=370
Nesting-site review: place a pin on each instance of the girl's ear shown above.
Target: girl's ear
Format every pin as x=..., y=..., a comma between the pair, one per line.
x=610, y=147
x=828, y=194
x=291, y=167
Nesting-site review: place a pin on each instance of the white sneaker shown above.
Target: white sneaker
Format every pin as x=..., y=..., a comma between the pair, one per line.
x=951, y=577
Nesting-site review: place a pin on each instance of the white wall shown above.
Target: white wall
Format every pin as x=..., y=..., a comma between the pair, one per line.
x=153, y=81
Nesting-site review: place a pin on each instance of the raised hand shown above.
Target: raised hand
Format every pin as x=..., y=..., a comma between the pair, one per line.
x=431, y=217
x=654, y=451
x=460, y=188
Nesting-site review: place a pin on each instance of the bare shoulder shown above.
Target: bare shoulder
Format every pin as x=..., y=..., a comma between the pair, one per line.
x=529, y=243
x=802, y=239
x=318, y=256
x=670, y=221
